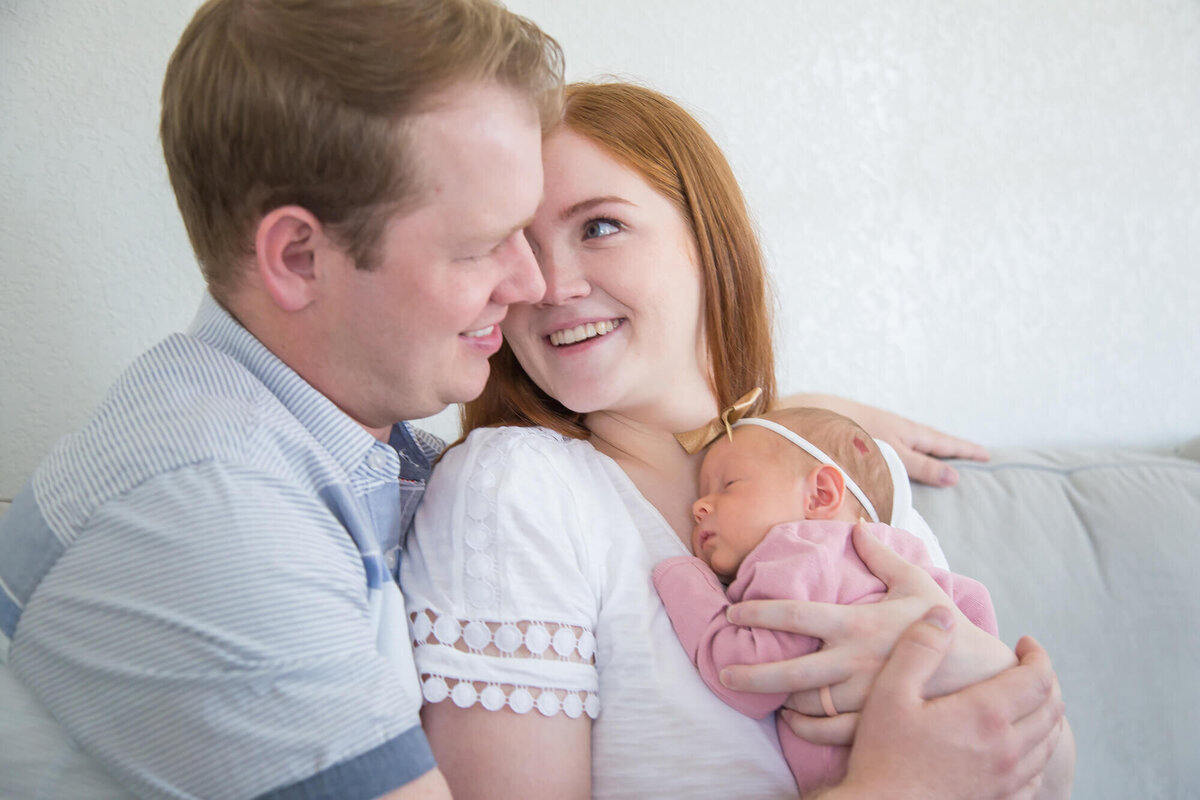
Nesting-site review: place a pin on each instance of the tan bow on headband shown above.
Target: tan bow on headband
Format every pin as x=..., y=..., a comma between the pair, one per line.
x=695, y=440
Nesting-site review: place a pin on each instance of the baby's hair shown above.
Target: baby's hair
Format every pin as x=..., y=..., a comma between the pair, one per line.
x=849, y=445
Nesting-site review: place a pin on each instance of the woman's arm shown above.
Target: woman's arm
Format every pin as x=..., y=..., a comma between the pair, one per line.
x=502, y=615
x=858, y=639
x=1013, y=709
x=501, y=754
x=919, y=446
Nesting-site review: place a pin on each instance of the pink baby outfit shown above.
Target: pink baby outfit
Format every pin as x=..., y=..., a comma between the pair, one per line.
x=804, y=560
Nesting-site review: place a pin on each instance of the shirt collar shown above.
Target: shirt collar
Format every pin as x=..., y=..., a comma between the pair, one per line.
x=345, y=440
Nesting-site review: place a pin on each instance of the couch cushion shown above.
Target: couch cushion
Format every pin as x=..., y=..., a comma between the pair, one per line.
x=1096, y=555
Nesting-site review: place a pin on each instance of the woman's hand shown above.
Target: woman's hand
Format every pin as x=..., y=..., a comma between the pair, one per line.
x=992, y=740
x=858, y=640
x=919, y=446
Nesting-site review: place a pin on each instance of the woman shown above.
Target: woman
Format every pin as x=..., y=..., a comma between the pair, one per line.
x=548, y=662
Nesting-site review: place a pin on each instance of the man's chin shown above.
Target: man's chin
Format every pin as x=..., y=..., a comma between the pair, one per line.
x=470, y=382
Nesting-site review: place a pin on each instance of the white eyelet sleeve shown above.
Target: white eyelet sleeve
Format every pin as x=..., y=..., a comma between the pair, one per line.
x=496, y=574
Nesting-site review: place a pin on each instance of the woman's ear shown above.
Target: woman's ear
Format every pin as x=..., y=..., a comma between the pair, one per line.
x=287, y=244
x=826, y=491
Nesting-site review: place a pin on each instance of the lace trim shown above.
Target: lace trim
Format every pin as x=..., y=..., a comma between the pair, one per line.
x=516, y=639
x=521, y=699
x=534, y=639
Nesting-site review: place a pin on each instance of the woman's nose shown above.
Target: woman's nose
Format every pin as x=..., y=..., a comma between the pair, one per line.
x=564, y=276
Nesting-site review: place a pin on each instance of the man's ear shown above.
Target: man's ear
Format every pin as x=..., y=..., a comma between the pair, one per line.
x=287, y=244
x=826, y=490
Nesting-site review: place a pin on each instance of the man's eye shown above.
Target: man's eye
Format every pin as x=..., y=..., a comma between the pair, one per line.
x=486, y=254
x=596, y=228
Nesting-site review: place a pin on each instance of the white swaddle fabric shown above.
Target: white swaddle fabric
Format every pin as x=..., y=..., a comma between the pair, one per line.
x=904, y=516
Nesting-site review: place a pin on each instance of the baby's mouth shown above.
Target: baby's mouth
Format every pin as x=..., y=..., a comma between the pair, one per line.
x=583, y=332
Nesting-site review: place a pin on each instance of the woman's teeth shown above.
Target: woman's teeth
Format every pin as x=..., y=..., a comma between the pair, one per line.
x=581, y=332
x=480, y=332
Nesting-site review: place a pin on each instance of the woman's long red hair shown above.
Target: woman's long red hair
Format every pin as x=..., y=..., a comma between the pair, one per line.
x=674, y=154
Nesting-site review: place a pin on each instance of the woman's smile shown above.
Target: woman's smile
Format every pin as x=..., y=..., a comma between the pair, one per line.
x=584, y=331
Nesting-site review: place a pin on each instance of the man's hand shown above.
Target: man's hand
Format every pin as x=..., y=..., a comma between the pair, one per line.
x=990, y=741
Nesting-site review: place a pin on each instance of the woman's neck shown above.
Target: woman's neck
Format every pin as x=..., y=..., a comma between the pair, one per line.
x=665, y=474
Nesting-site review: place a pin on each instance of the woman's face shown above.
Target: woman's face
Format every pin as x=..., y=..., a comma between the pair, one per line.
x=620, y=326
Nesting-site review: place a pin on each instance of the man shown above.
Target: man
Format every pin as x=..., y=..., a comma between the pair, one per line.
x=199, y=586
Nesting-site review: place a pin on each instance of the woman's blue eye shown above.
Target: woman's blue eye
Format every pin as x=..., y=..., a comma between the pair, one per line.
x=596, y=228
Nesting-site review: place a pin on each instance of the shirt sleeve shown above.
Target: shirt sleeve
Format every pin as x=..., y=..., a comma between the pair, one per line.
x=696, y=603
x=208, y=635
x=499, y=579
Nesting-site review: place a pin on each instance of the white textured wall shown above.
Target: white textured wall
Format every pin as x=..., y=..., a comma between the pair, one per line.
x=982, y=214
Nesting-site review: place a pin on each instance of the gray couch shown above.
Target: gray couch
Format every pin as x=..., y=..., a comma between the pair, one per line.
x=1093, y=553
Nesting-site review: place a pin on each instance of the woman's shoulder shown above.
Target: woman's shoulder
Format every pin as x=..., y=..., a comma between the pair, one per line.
x=518, y=435
x=514, y=449
x=502, y=528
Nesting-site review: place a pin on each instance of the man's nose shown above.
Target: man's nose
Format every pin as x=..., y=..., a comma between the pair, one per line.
x=523, y=282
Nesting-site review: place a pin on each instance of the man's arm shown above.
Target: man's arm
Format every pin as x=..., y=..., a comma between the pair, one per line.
x=209, y=631
x=430, y=786
x=991, y=741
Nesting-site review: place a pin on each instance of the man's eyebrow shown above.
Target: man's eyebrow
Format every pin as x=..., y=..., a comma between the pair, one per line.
x=520, y=226
x=584, y=205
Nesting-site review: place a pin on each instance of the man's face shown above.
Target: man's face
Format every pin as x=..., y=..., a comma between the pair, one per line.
x=414, y=335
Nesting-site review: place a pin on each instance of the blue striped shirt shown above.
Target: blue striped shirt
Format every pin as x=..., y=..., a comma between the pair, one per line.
x=198, y=589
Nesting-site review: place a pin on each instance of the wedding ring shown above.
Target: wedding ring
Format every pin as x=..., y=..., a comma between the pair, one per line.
x=827, y=702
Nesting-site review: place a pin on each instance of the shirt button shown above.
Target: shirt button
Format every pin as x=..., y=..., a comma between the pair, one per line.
x=391, y=558
x=377, y=460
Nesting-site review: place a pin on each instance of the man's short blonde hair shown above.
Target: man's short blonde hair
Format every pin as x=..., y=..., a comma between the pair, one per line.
x=269, y=103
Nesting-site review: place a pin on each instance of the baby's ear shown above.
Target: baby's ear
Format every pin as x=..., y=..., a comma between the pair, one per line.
x=826, y=490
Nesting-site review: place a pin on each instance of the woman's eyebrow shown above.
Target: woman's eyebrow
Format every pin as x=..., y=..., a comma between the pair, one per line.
x=584, y=205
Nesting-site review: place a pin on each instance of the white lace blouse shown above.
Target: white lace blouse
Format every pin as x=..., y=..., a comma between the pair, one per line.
x=527, y=581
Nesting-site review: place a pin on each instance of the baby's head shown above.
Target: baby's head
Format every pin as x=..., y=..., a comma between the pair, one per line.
x=759, y=478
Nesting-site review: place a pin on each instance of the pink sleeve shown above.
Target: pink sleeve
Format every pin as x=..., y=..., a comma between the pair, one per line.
x=696, y=603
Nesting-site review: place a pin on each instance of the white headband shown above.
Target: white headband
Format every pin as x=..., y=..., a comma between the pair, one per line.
x=815, y=452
